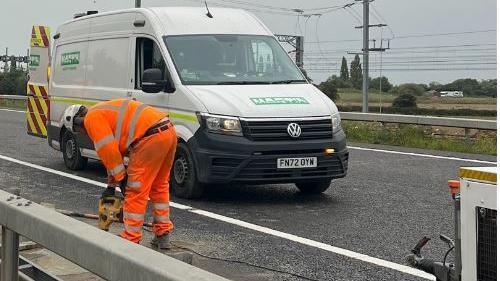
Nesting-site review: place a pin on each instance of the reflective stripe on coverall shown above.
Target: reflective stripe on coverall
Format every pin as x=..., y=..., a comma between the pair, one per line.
x=113, y=126
x=148, y=174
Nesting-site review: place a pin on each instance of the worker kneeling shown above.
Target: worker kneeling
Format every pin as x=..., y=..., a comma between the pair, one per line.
x=122, y=128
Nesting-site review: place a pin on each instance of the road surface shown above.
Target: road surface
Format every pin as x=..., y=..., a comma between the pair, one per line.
x=360, y=229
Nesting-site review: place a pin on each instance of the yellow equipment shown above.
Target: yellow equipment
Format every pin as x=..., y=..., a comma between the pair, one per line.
x=110, y=210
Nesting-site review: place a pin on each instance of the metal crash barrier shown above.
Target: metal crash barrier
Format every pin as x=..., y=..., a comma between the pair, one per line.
x=421, y=120
x=478, y=124
x=101, y=253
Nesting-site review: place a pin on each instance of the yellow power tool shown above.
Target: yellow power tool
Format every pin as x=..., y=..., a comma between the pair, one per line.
x=110, y=210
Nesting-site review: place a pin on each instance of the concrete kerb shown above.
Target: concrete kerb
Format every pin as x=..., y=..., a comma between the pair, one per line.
x=104, y=254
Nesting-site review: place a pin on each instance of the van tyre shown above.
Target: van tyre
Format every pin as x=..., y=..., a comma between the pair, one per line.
x=183, y=181
x=73, y=159
x=314, y=187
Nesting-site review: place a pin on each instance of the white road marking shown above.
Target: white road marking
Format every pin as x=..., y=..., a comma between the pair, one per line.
x=423, y=155
x=12, y=110
x=284, y=235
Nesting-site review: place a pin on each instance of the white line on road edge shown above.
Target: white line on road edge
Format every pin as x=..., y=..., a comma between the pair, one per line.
x=12, y=110
x=287, y=236
x=423, y=155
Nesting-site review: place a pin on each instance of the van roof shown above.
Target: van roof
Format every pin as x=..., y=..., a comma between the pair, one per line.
x=193, y=20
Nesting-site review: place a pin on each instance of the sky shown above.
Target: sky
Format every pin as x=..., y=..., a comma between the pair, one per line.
x=429, y=40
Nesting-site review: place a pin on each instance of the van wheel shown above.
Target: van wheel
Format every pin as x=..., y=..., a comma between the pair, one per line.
x=71, y=153
x=314, y=187
x=183, y=181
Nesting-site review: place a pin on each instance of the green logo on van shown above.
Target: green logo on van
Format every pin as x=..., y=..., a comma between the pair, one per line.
x=34, y=60
x=72, y=58
x=279, y=100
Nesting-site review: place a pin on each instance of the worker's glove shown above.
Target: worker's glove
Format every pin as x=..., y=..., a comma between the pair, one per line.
x=123, y=184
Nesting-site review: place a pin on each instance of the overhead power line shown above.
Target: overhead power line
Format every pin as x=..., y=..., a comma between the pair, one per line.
x=382, y=19
x=353, y=14
x=476, y=57
x=434, y=51
x=410, y=70
x=412, y=36
x=445, y=34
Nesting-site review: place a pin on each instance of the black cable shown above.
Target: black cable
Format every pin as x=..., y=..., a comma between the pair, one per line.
x=447, y=253
x=235, y=261
x=383, y=20
x=243, y=262
x=445, y=34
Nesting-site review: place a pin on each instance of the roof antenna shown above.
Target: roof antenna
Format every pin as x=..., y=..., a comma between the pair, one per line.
x=208, y=11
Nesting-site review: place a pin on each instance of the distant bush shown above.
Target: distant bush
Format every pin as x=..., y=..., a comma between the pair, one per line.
x=375, y=84
x=471, y=87
x=13, y=83
x=329, y=90
x=409, y=88
x=405, y=101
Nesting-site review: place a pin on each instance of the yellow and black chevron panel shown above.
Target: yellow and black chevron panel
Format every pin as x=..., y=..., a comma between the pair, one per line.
x=475, y=174
x=40, y=36
x=37, y=111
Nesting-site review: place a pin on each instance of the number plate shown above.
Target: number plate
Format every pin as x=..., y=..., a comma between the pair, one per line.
x=296, y=163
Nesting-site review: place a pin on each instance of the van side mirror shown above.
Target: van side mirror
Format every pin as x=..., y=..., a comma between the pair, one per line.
x=152, y=82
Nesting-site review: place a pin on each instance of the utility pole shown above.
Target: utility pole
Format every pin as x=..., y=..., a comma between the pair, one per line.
x=366, y=49
x=137, y=3
x=5, y=65
x=366, y=52
x=299, y=51
x=297, y=42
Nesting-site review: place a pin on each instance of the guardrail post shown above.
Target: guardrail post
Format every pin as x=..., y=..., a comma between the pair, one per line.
x=468, y=136
x=10, y=255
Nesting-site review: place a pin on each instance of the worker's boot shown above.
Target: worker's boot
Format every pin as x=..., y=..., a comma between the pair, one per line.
x=161, y=242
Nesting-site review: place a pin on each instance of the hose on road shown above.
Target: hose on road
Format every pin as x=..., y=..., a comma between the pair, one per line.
x=92, y=217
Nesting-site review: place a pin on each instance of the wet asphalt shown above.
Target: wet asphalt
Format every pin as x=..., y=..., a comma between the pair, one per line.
x=382, y=208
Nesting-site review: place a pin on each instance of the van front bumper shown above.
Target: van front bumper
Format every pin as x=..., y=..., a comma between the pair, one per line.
x=224, y=158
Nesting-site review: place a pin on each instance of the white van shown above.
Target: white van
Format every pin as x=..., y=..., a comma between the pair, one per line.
x=243, y=111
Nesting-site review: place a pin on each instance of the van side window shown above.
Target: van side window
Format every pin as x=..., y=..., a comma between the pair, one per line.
x=147, y=55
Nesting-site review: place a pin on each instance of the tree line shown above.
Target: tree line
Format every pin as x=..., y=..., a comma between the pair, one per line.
x=13, y=82
x=353, y=78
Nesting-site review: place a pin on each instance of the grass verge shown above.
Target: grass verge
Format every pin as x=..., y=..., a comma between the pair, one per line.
x=415, y=136
x=16, y=104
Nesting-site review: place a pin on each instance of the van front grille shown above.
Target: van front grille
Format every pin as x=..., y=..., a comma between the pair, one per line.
x=266, y=168
x=276, y=130
x=486, y=244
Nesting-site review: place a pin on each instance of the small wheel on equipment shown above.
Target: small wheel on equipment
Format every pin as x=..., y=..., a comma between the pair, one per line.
x=71, y=152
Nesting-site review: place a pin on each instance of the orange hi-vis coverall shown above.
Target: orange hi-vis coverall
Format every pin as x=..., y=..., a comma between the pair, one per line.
x=118, y=127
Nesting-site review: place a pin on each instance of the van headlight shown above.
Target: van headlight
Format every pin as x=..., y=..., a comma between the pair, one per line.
x=222, y=124
x=335, y=121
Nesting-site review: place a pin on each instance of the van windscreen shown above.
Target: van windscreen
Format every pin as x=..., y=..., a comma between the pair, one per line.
x=231, y=59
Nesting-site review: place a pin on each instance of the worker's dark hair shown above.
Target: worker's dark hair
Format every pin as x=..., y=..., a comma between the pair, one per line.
x=82, y=111
x=78, y=119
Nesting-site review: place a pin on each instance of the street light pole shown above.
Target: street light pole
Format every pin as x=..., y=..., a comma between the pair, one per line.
x=366, y=34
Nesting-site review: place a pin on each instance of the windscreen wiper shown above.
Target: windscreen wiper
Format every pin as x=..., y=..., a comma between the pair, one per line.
x=242, y=82
x=288, y=81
